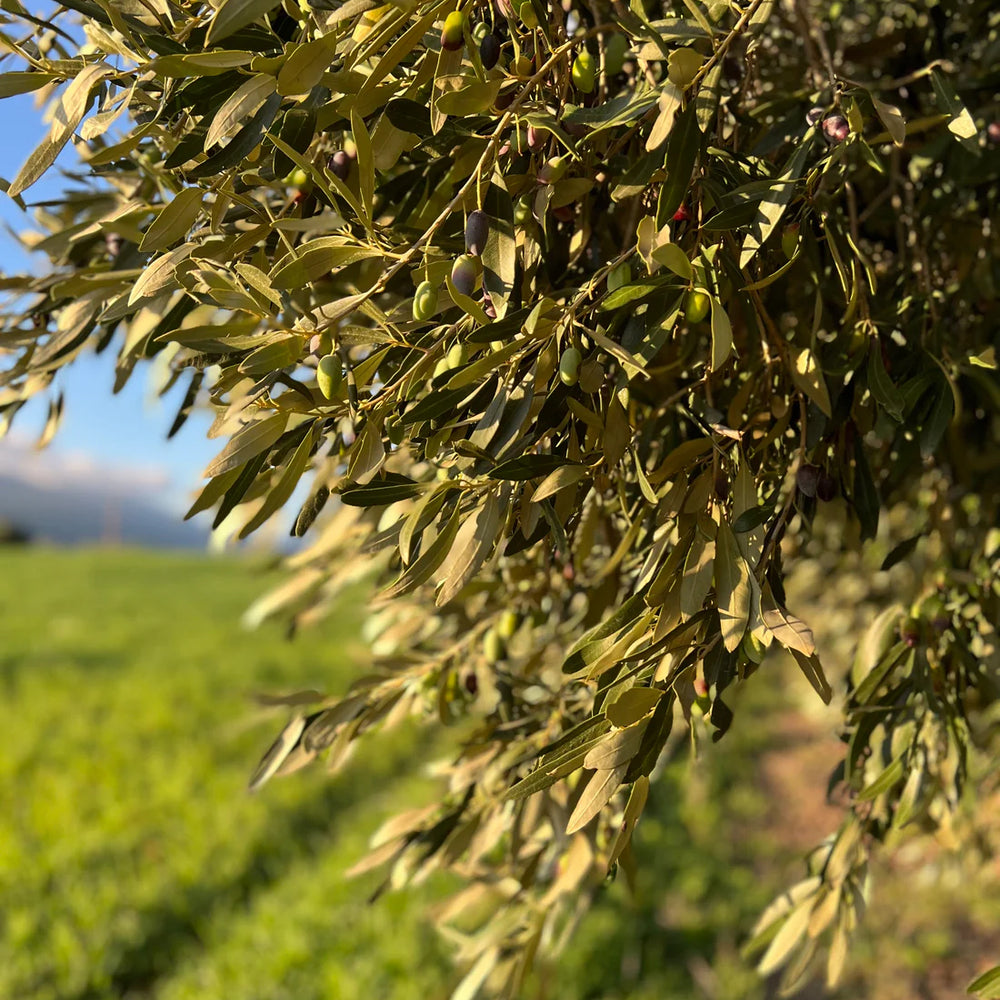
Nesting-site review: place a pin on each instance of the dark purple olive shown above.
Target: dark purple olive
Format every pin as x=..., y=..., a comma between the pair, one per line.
x=910, y=632
x=489, y=51
x=993, y=131
x=536, y=139
x=836, y=129
x=721, y=485
x=340, y=165
x=477, y=230
x=807, y=479
x=471, y=684
x=815, y=115
x=826, y=488
x=504, y=100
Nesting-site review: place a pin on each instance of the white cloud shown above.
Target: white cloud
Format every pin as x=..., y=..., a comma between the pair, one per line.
x=55, y=469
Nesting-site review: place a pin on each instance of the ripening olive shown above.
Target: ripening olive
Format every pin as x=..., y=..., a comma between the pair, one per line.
x=465, y=274
x=328, y=375
x=614, y=54
x=477, y=230
x=910, y=631
x=696, y=306
x=321, y=344
x=836, y=129
x=453, y=32
x=489, y=51
x=584, y=72
x=425, y=301
x=553, y=169
x=569, y=366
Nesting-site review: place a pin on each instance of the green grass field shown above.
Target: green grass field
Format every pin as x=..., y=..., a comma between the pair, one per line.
x=133, y=863
x=133, y=860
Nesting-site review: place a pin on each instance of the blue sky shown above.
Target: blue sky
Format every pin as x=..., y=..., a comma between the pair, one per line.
x=127, y=430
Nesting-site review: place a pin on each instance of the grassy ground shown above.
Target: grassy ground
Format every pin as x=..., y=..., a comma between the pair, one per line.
x=133, y=862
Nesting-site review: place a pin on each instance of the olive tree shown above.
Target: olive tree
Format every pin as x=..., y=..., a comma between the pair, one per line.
x=572, y=319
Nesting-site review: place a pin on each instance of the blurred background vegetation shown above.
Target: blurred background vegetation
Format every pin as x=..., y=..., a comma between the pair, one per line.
x=133, y=863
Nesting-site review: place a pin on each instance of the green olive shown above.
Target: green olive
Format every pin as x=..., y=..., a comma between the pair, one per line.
x=752, y=647
x=584, y=72
x=298, y=178
x=457, y=356
x=614, y=54
x=425, y=301
x=493, y=647
x=790, y=240
x=508, y=624
x=620, y=275
x=329, y=374
x=697, y=305
x=524, y=66
x=569, y=366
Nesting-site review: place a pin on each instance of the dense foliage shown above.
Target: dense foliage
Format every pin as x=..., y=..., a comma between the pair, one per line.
x=586, y=316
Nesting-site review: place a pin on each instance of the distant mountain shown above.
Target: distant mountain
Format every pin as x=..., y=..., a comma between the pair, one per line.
x=69, y=500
